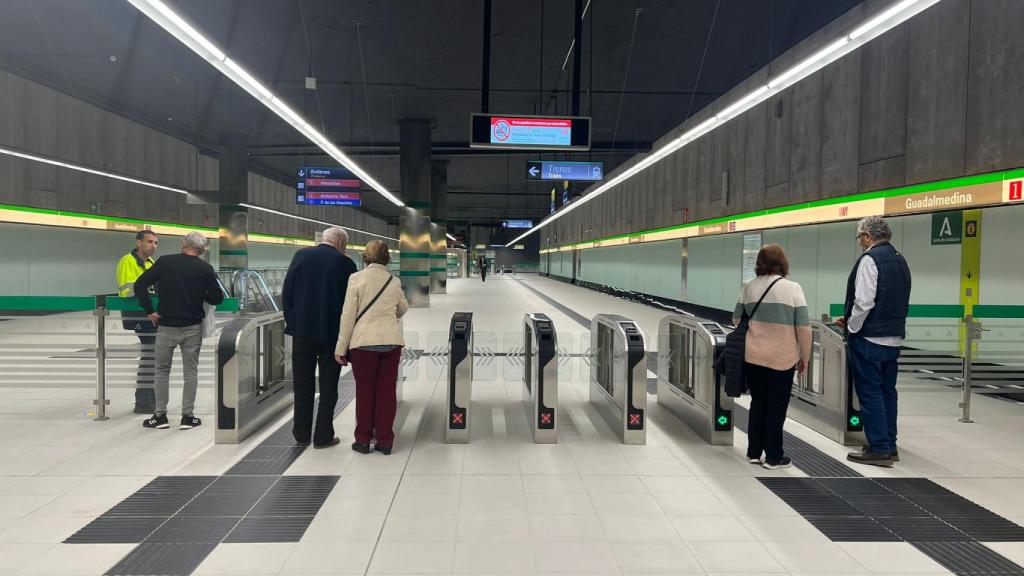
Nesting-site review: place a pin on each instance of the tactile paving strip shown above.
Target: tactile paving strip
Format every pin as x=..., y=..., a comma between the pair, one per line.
x=162, y=558
x=969, y=559
x=806, y=458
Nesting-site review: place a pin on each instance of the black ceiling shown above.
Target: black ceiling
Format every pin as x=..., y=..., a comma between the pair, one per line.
x=378, y=61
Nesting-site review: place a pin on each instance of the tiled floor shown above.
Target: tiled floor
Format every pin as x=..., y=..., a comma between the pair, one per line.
x=500, y=504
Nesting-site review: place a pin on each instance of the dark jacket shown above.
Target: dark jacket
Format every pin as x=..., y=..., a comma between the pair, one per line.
x=184, y=283
x=314, y=292
x=892, y=297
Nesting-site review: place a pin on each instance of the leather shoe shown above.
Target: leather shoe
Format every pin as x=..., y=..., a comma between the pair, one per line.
x=385, y=450
x=332, y=442
x=872, y=458
x=361, y=447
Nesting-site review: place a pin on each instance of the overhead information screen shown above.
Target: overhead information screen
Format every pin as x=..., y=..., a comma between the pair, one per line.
x=559, y=170
x=517, y=224
x=530, y=132
x=327, y=187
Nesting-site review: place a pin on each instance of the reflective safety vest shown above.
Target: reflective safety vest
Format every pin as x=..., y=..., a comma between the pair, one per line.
x=129, y=268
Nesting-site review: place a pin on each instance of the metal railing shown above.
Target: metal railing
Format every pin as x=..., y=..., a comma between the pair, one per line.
x=945, y=344
x=69, y=341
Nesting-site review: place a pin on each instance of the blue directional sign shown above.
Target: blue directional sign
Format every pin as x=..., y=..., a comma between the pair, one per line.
x=517, y=224
x=332, y=186
x=560, y=170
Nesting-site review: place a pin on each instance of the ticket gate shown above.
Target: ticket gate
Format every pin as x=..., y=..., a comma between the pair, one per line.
x=823, y=398
x=460, y=377
x=254, y=375
x=618, y=375
x=540, y=377
x=688, y=384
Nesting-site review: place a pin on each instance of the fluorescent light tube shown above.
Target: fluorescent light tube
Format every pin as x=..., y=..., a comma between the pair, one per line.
x=881, y=17
x=450, y=237
x=88, y=170
x=176, y=26
x=313, y=220
x=792, y=72
x=246, y=80
x=739, y=105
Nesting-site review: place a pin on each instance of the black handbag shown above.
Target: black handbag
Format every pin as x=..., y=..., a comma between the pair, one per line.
x=730, y=360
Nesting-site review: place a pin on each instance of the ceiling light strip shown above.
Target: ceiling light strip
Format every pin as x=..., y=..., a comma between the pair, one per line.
x=314, y=220
x=79, y=168
x=896, y=14
x=176, y=26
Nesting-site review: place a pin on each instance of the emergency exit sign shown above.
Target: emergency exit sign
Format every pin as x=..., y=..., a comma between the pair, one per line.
x=947, y=227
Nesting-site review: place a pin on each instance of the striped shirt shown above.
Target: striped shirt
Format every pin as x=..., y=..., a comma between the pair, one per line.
x=779, y=335
x=864, y=300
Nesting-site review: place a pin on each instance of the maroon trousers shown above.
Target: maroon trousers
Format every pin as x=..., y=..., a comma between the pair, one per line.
x=376, y=375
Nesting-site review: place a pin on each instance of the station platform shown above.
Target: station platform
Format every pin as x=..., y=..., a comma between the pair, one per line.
x=85, y=497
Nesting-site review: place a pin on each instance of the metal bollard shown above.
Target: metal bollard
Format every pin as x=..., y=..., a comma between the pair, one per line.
x=101, y=401
x=974, y=331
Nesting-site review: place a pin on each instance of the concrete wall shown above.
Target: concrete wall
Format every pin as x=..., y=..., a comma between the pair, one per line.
x=937, y=97
x=37, y=119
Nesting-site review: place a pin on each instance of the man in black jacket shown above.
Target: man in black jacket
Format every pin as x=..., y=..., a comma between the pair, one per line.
x=313, y=295
x=185, y=282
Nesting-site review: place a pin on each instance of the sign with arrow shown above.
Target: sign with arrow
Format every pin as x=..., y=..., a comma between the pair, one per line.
x=563, y=170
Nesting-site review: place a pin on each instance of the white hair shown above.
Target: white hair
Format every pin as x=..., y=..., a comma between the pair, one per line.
x=195, y=241
x=875, y=227
x=336, y=236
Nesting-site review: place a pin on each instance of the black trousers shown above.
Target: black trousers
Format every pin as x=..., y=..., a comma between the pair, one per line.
x=769, y=400
x=145, y=375
x=307, y=355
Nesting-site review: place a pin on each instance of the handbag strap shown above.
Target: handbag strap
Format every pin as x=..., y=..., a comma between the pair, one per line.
x=374, y=301
x=761, y=299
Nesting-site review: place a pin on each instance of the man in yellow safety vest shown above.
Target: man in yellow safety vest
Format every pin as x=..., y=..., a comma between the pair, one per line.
x=129, y=268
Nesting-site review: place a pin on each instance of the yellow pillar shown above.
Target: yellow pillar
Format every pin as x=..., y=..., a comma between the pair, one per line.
x=970, y=266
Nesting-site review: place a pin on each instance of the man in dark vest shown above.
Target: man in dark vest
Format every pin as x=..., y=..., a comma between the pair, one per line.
x=313, y=295
x=877, y=300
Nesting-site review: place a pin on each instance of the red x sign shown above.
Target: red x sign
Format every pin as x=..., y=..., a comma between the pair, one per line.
x=634, y=419
x=456, y=418
x=545, y=418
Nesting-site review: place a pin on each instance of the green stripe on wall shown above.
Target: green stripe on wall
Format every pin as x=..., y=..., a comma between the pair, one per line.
x=414, y=254
x=413, y=273
x=439, y=256
x=417, y=204
x=917, y=310
x=886, y=193
x=438, y=269
x=132, y=304
x=997, y=311
x=234, y=252
x=48, y=303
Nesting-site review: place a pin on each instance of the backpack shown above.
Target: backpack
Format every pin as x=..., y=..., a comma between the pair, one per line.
x=730, y=360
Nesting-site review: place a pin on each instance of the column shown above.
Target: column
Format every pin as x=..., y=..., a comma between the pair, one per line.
x=414, y=224
x=438, y=226
x=233, y=189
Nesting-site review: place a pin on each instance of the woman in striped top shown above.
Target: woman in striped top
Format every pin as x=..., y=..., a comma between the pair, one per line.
x=778, y=343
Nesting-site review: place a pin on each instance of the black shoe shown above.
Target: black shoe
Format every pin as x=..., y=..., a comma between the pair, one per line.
x=872, y=458
x=783, y=462
x=895, y=455
x=361, y=448
x=302, y=442
x=332, y=442
x=158, y=421
x=385, y=450
x=188, y=422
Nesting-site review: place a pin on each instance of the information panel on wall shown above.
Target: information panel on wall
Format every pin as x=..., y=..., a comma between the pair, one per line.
x=504, y=131
x=563, y=170
x=517, y=224
x=327, y=187
x=751, y=246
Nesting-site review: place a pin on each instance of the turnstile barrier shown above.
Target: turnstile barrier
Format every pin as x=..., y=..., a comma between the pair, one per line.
x=824, y=399
x=540, y=377
x=618, y=375
x=460, y=377
x=688, y=384
x=254, y=375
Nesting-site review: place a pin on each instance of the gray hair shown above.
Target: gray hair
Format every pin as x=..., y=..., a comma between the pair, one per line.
x=875, y=227
x=336, y=236
x=195, y=241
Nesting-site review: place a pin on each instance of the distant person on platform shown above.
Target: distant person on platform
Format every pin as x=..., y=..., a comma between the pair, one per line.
x=129, y=268
x=313, y=295
x=875, y=316
x=184, y=282
x=482, y=265
x=370, y=338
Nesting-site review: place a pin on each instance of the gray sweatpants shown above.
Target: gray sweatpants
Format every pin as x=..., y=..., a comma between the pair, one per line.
x=190, y=339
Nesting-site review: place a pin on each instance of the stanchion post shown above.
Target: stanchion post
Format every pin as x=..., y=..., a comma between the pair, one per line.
x=101, y=401
x=973, y=331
